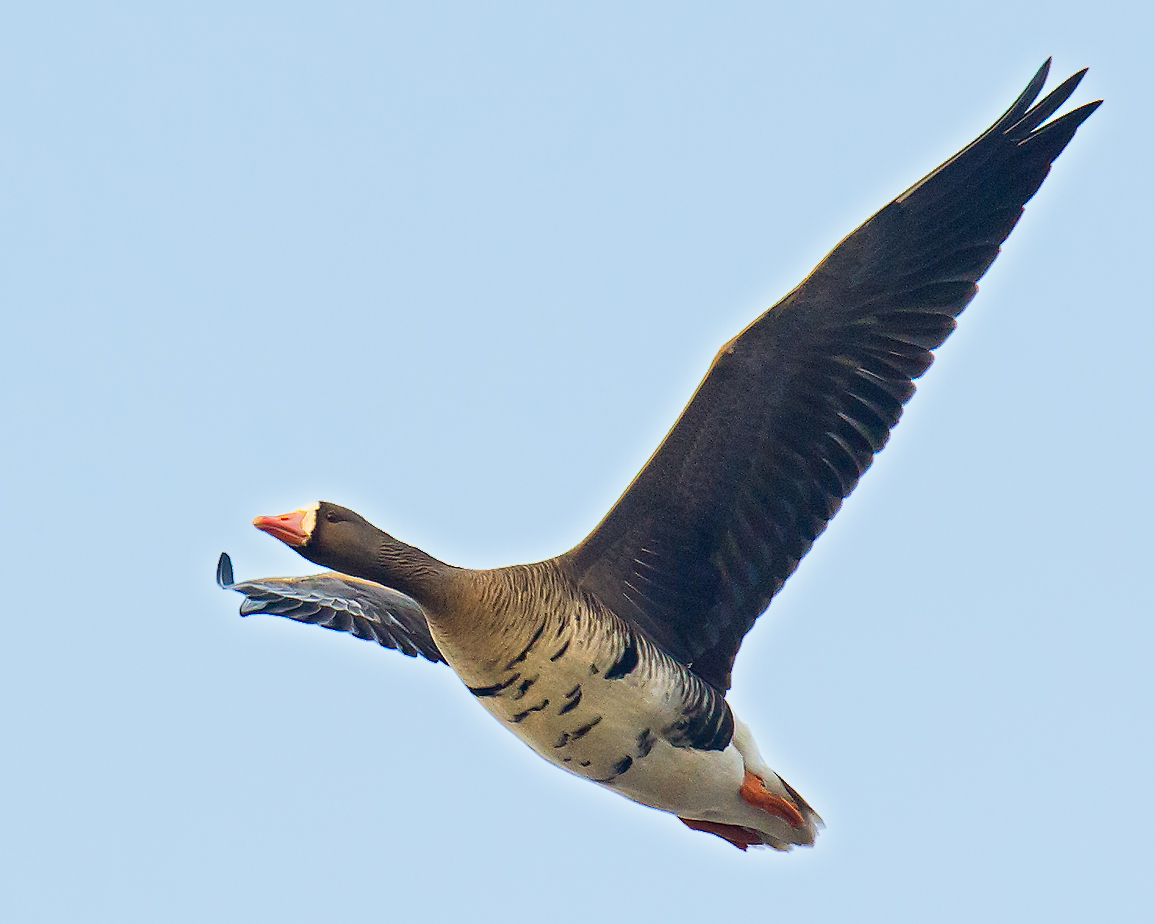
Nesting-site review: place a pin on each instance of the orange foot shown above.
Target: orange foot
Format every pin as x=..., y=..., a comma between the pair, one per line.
x=755, y=792
x=739, y=837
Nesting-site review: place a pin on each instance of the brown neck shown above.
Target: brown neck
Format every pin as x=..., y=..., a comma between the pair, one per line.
x=409, y=570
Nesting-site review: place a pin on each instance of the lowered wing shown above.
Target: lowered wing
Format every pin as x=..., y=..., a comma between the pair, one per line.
x=337, y=601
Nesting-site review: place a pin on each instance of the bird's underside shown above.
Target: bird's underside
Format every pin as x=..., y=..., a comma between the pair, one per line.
x=613, y=659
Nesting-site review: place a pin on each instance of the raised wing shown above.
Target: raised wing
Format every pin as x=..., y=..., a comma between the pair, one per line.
x=337, y=601
x=793, y=410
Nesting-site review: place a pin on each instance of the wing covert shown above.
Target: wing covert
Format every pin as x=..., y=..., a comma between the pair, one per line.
x=340, y=602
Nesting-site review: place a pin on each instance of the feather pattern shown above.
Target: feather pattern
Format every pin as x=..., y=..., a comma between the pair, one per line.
x=794, y=409
x=337, y=601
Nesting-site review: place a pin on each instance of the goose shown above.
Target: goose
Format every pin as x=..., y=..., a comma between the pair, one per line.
x=612, y=661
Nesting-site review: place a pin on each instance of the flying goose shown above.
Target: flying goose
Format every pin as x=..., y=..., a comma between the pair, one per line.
x=612, y=661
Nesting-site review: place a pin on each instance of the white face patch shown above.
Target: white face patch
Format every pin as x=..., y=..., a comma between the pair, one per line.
x=309, y=520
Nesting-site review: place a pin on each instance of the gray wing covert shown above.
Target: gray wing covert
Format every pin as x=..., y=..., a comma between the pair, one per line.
x=339, y=602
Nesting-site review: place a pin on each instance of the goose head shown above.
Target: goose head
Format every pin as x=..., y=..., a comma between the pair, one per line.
x=337, y=538
x=327, y=535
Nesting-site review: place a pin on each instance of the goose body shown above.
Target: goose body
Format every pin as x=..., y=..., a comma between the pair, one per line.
x=594, y=697
x=612, y=661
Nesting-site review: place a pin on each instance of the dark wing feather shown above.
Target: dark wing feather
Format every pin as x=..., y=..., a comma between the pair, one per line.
x=337, y=601
x=794, y=409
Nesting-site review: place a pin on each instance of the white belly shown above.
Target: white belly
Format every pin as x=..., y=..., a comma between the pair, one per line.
x=609, y=731
x=598, y=699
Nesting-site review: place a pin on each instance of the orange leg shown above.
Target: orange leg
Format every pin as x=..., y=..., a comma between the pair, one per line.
x=755, y=792
x=739, y=837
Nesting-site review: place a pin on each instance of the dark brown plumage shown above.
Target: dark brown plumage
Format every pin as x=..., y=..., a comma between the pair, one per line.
x=795, y=407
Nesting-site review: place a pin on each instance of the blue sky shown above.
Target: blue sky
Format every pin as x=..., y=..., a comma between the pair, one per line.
x=459, y=266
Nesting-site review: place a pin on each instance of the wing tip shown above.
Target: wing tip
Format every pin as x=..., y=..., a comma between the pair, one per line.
x=1020, y=106
x=225, y=572
x=1026, y=117
x=1080, y=115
